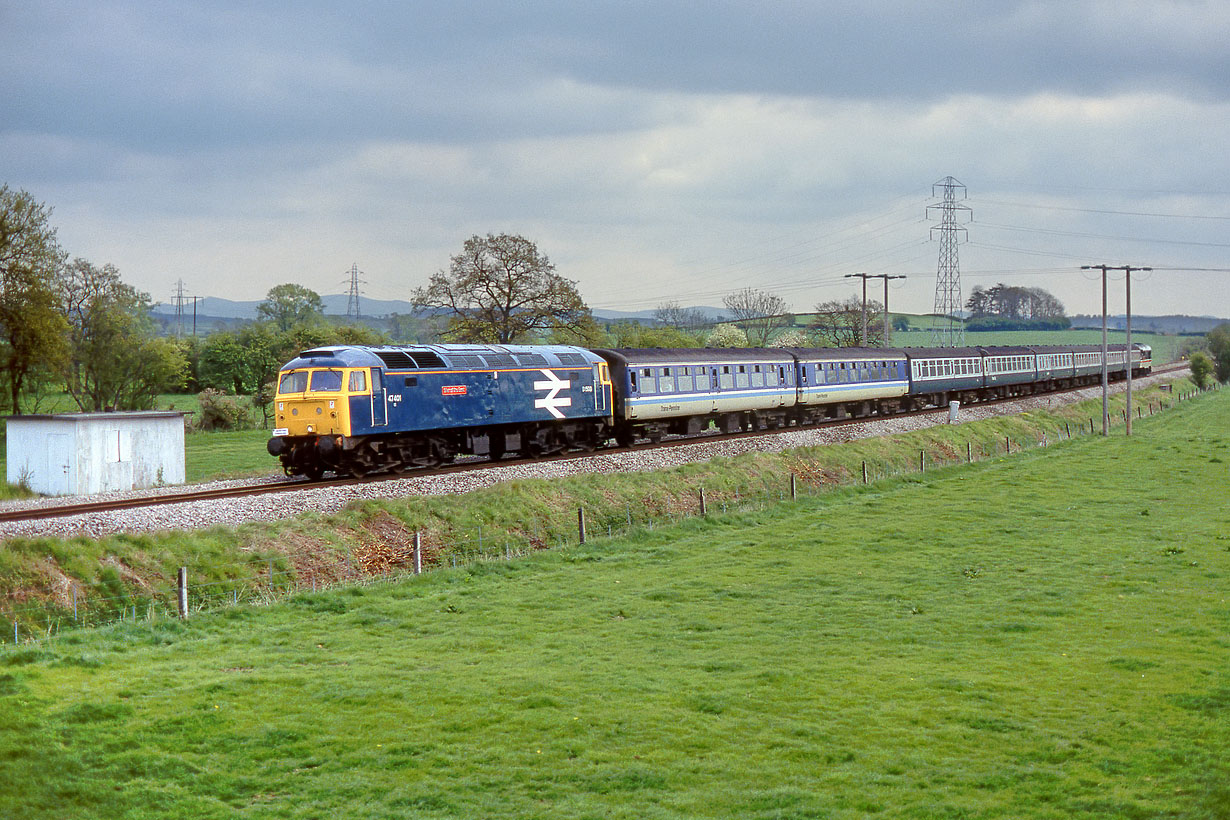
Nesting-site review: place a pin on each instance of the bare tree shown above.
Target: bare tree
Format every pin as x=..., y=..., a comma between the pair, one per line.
x=759, y=312
x=672, y=314
x=501, y=289
x=840, y=324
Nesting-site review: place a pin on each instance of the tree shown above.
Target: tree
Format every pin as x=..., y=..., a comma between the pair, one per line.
x=726, y=336
x=840, y=324
x=1219, y=348
x=759, y=312
x=289, y=304
x=1013, y=302
x=672, y=314
x=900, y=322
x=115, y=360
x=500, y=289
x=31, y=328
x=635, y=334
x=1202, y=369
x=793, y=338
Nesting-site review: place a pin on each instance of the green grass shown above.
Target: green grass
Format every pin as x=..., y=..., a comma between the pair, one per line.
x=1035, y=637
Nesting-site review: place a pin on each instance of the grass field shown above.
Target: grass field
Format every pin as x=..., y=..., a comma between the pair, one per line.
x=1037, y=637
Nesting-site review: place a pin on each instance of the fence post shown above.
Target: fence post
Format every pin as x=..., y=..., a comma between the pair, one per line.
x=969, y=453
x=794, y=487
x=922, y=461
x=182, y=588
x=1007, y=446
x=581, y=522
x=74, y=602
x=864, y=472
x=1091, y=426
x=418, y=553
x=1067, y=430
x=703, y=509
x=271, y=576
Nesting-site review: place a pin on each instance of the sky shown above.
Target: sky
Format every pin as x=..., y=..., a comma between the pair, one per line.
x=655, y=151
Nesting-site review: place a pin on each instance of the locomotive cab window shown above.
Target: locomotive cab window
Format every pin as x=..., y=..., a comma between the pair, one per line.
x=326, y=381
x=358, y=381
x=295, y=382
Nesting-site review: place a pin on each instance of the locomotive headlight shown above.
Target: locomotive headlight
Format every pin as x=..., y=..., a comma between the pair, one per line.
x=319, y=410
x=294, y=411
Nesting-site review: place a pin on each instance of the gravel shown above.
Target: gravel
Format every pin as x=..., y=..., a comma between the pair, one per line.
x=274, y=506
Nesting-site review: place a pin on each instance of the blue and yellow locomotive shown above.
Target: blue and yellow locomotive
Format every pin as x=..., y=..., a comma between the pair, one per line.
x=361, y=410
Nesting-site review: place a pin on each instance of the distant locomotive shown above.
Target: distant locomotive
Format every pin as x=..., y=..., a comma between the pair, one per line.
x=360, y=410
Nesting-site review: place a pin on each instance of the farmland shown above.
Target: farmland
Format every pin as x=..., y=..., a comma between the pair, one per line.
x=1039, y=636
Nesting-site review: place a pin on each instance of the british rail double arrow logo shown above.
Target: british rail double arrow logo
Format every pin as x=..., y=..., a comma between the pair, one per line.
x=553, y=400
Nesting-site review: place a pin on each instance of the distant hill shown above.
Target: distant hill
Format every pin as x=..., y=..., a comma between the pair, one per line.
x=213, y=307
x=1152, y=324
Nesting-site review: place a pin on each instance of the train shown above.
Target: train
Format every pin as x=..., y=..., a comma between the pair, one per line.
x=360, y=410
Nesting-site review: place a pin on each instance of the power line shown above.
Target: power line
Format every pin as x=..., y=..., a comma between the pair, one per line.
x=1101, y=210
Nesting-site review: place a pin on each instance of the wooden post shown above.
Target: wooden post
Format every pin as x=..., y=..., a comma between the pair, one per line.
x=969, y=453
x=581, y=522
x=703, y=509
x=864, y=472
x=418, y=553
x=922, y=461
x=1007, y=446
x=1067, y=430
x=794, y=488
x=182, y=585
x=270, y=576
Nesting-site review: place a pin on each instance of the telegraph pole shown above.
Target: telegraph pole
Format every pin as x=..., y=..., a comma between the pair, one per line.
x=1127, y=269
x=862, y=339
x=888, y=330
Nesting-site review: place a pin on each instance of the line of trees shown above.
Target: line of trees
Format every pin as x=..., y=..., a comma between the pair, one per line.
x=1013, y=302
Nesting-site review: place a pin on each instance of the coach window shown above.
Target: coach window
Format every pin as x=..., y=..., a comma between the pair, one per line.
x=358, y=381
x=666, y=384
x=647, y=381
x=726, y=380
x=757, y=376
x=685, y=380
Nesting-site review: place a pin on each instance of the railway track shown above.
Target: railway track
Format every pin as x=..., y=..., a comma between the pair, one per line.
x=280, y=486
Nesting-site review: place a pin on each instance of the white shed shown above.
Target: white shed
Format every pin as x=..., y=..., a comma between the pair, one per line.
x=84, y=453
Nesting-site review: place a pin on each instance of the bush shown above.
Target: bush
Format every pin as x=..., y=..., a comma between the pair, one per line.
x=1202, y=369
x=222, y=412
x=726, y=336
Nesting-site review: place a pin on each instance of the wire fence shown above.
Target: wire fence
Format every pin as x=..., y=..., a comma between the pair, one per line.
x=269, y=579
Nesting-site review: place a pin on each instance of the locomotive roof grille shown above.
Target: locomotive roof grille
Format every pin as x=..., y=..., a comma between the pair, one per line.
x=396, y=359
x=500, y=360
x=466, y=360
x=426, y=358
x=531, y=360
x=572, y=359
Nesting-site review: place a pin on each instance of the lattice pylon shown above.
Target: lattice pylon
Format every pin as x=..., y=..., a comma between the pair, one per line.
x=949, y=330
